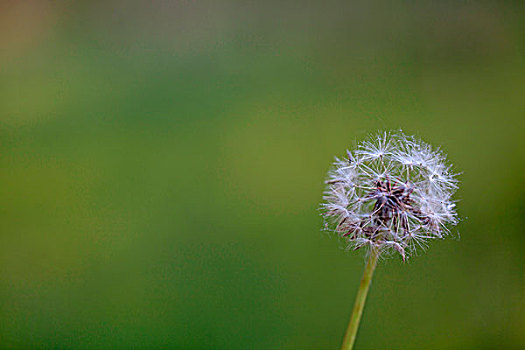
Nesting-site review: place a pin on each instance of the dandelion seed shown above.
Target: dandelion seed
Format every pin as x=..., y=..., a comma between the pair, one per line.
x=393, y=193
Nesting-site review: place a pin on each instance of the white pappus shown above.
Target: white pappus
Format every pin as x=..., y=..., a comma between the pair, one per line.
x=393, y=192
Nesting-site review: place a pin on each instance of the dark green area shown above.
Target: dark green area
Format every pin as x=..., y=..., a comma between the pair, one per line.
x=162, y=166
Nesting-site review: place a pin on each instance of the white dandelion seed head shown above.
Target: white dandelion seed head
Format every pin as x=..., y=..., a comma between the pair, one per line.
x=393, y=192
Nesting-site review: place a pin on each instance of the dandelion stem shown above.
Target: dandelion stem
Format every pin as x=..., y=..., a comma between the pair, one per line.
x=360, y=299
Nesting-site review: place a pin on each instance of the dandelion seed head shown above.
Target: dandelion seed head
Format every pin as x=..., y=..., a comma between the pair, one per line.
x=393, y=192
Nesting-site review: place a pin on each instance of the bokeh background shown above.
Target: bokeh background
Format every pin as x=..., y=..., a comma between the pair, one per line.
x=162, y=163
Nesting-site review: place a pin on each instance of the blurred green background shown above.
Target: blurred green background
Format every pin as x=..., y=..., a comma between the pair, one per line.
x=162, y=164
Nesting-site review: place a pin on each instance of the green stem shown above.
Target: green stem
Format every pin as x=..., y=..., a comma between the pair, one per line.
x=360, y=299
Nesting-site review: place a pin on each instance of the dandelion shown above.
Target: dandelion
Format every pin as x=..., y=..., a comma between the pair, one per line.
x=391, y=195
